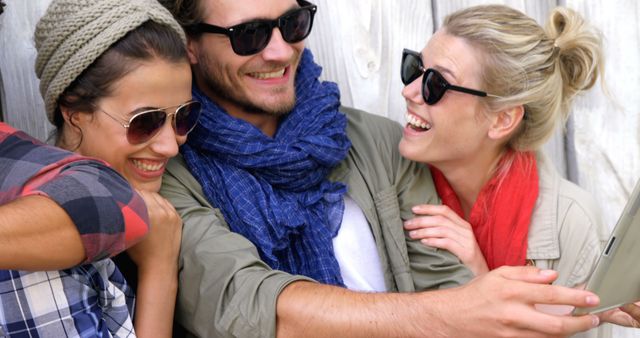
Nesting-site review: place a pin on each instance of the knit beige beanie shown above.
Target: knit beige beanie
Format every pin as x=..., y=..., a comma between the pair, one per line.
x=72, y=34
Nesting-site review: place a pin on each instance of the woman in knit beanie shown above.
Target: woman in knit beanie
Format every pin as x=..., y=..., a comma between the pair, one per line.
x=116, y=82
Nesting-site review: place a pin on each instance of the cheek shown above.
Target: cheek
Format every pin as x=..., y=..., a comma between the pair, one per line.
x=108, y=146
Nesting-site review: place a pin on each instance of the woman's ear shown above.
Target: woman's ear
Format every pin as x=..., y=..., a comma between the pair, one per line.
x=70, y=133
x=68, y=116
x=506, y=122
x=75, y=118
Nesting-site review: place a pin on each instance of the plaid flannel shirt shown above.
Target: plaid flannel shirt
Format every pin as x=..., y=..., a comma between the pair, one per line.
x=90, y=300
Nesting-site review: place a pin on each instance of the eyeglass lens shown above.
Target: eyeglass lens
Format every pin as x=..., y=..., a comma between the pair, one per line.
x=252, y=37
x=145, y=125
x=433, y=84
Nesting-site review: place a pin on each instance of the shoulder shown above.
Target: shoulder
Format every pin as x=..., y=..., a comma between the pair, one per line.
x=566, y=228
x=574, y=205
x=178, y=180
x=364, y=125
x=185, y=193
x=374, y=138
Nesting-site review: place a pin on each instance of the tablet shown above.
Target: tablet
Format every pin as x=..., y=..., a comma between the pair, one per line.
x=616, y=277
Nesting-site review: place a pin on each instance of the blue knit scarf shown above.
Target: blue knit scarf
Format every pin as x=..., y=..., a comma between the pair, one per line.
x=275, y=191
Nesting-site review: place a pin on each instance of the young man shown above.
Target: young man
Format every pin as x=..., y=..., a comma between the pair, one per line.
x=280, y=186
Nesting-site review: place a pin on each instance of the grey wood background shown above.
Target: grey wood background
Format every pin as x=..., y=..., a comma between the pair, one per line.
x=359, y=44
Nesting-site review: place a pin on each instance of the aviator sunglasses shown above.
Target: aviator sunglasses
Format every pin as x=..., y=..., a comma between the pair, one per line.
x=253, y=36
x=144, y=125
x=434, y=85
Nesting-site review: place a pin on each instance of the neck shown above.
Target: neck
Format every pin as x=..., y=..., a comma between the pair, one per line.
x=67, y=140
x=267, y=123
x=467, y=179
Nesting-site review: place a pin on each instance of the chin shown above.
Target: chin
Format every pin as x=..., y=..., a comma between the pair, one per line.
x=412, y=153
x=405, y=150
x=280, y=107
x=147, y=186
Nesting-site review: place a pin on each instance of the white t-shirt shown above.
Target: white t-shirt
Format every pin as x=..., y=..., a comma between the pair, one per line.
x=355, y=250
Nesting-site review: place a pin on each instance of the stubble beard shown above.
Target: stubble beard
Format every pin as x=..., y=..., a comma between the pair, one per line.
x=225, y=91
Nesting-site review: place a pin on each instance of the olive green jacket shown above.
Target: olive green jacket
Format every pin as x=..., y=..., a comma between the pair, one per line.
x=566, y=233
x=225, y=290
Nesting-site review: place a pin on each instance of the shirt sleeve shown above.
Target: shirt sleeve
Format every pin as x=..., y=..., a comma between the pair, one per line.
x=108, y=214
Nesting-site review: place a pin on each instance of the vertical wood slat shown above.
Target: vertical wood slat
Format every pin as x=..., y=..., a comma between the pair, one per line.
x=359, y=44
x=607, y=130
x=22, y=107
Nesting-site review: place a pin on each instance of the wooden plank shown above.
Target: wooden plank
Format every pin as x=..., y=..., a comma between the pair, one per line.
x=22, y=104
x=536, y=9
x=607, y=130
x=359, y=44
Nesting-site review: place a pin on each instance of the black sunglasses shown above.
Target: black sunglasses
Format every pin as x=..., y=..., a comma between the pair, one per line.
x=253, y=36
x=144, y=125
x=434, y=85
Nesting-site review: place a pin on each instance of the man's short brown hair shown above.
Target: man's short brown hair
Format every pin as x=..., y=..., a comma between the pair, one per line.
x=186, y=12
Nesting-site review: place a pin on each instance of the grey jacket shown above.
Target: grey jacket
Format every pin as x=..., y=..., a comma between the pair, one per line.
x=225, y=289
x=566, y=232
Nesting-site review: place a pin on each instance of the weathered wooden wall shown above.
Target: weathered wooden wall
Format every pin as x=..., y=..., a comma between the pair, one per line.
x=359, y=43
x=22, y=105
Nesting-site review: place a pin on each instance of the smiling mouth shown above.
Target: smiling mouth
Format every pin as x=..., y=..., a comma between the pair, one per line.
x=269, y=75
x=148, y=166
x=417, y=123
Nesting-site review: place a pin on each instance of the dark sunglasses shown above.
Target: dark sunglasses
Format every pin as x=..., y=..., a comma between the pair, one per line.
x=144, y=125
x=253, y=36
x=434, y=85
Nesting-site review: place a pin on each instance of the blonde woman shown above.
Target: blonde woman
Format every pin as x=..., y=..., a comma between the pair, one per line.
x=483, y=96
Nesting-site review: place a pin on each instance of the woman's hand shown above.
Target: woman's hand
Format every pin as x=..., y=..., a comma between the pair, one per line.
x=161, y=246
x=440, y=227
x=628, y=315
x=157, y=259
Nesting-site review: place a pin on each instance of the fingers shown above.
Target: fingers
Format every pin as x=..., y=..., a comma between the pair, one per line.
x=559, y=326
x=632, y=310
x=433, y=210
x=436, y=232
x=537, y=291
x=528, y=286
x=618, y=317
x=448, y=244
x=420, y=222
x=427, y=222
x=529, y=274
x=158, y=206
x=440, y=231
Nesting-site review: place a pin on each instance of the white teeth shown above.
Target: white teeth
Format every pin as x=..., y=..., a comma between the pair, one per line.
x=148, y=166
x=263, y=76
x=417, y=122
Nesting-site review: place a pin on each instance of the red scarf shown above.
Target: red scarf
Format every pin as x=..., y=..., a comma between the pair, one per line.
x=501, y=215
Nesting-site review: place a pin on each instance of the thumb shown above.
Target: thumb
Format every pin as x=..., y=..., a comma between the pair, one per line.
x=529, y=274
